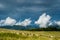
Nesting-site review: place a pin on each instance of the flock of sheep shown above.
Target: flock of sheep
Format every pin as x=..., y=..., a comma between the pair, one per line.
x=30, y=34
x=34, y=34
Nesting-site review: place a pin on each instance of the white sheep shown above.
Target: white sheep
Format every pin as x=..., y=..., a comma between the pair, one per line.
x=17, y=33
x=51, y=36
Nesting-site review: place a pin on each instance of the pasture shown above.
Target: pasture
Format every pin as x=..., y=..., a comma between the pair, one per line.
x=7, y=34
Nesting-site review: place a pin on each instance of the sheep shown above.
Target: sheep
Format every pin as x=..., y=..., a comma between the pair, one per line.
x=17, y=33
x=51, y=36
x=30, y=34
x=23, y=34
x=35, y=35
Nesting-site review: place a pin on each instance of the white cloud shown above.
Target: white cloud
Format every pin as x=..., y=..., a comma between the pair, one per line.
x=11, y=22
x=24, y=23
x=57, y=22
x=43, y=20
x=7, y=21
x=51, y=23
x=2, y=22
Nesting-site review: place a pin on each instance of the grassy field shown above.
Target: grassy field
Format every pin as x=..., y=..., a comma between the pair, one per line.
x=6, y=34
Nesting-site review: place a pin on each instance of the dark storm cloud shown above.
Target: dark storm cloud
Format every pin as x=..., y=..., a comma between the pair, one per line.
x=27, y=8
x=27, y=3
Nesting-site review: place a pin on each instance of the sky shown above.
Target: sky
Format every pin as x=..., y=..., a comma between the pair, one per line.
x=33, y=9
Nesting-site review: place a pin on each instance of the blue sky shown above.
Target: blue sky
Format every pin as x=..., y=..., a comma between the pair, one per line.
x=22, y=9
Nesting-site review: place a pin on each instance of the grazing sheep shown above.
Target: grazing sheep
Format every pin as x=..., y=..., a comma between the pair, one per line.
x=35, y=35
x=51, y=36
x=23, y=34
x=30, y=35
x=17, y=33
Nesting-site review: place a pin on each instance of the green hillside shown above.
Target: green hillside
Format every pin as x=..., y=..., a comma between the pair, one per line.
x=7, y=34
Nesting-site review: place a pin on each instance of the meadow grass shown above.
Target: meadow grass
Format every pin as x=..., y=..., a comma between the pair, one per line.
x=6, y=34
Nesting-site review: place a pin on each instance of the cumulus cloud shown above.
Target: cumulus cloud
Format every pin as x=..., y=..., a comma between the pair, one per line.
x=43, y=20
x=2, y=22
x=51, y=23
x=24, y=23
x=11, y=22
x=8, y=21
x=57, y=22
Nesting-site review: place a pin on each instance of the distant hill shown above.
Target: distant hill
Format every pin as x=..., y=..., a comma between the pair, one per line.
x=32, y=28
